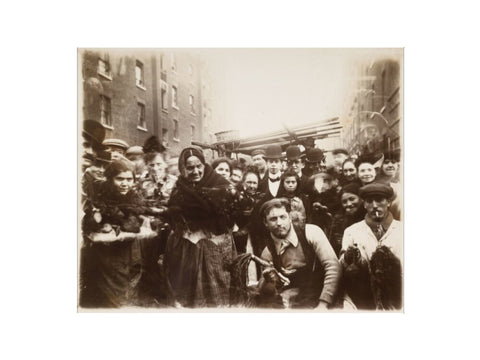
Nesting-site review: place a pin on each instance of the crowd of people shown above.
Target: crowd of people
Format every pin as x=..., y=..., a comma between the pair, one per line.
x=276, y=230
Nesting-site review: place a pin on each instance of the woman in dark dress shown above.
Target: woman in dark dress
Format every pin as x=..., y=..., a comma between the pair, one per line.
x=351, y=213
x=201, y=242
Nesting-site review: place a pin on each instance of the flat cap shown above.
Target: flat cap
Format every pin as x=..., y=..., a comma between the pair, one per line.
x=376, y=189
x=116, y=142
x=258, y=152
x=134, y=150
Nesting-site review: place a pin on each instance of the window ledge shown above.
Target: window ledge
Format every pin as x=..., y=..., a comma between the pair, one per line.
x=107, y=127
x=141, y=128
x=176, y=140
x=175, y=107
x=106, y=76
x=141, y=87
x=165, y=111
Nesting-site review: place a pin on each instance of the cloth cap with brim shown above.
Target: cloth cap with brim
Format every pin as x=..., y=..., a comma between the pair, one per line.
x=376, y=189
x=134, y=150
x=315, y=155
x=273, y=152
x=340, y=151
x=94, y=131
x=116, y=142
x=294, y=153
x=277, y=202
x=258, y=152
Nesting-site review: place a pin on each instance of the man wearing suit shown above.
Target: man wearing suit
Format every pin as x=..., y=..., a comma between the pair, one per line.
x=270, y=184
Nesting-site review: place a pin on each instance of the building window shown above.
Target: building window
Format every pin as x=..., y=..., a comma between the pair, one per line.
x=175, y=130
x=192, y=132
x=174, y=97
x=191, y=102
x=139, y=79
x=164, y=95
x=190, y=69
x=141, y=116
x=105, y=111
x=173, y=61
x=103, y=68
x=165, y=137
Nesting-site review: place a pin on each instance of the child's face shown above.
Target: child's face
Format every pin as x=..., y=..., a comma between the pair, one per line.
x=290, y=184
x=123, y=182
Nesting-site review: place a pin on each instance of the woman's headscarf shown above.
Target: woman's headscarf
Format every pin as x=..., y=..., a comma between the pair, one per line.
x=188, y=152
x=117, y=166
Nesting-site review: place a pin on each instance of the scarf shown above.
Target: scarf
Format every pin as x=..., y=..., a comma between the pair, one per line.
x=202, y=205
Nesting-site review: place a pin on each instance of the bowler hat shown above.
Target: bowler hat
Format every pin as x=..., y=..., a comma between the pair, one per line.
x=258, y=152
x=315, y=155
x=340, y=151
x=93, y=131
x=293, y=152
x=273, y=151
x=376, y=189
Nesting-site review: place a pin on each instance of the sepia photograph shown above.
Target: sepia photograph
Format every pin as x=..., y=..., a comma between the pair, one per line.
x=240, y=180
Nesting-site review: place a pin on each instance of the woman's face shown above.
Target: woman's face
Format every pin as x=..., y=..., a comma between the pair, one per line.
x=156, y=167
x=194, y=169
x=290, y=184
x=223, y=169
x=123, y=182
x=351, y=203
x=251, y=183
x=366, y=173
x=389, y=167
x=349, y=171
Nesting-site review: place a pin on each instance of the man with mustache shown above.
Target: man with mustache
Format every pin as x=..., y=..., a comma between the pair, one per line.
x=301, y=254
x=378, y=230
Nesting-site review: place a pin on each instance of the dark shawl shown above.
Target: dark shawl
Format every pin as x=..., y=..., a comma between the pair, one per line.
x=203, y=205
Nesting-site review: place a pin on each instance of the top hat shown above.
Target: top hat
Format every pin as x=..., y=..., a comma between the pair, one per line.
x=293, y=152
x=273, y=152
x=315, y=155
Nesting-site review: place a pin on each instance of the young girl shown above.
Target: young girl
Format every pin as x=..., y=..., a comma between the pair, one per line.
x=289, y=188
x=113, y=267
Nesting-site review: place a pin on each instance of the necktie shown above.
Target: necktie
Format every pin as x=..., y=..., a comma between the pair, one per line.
x=379, y=232
x=284, y=246
x=274, y=180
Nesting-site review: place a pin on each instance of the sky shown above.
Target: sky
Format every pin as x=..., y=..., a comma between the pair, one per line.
x=259, y=89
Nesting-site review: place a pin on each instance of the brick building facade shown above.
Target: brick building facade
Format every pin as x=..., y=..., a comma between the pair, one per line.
x=373, y=122
x=139, y=94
